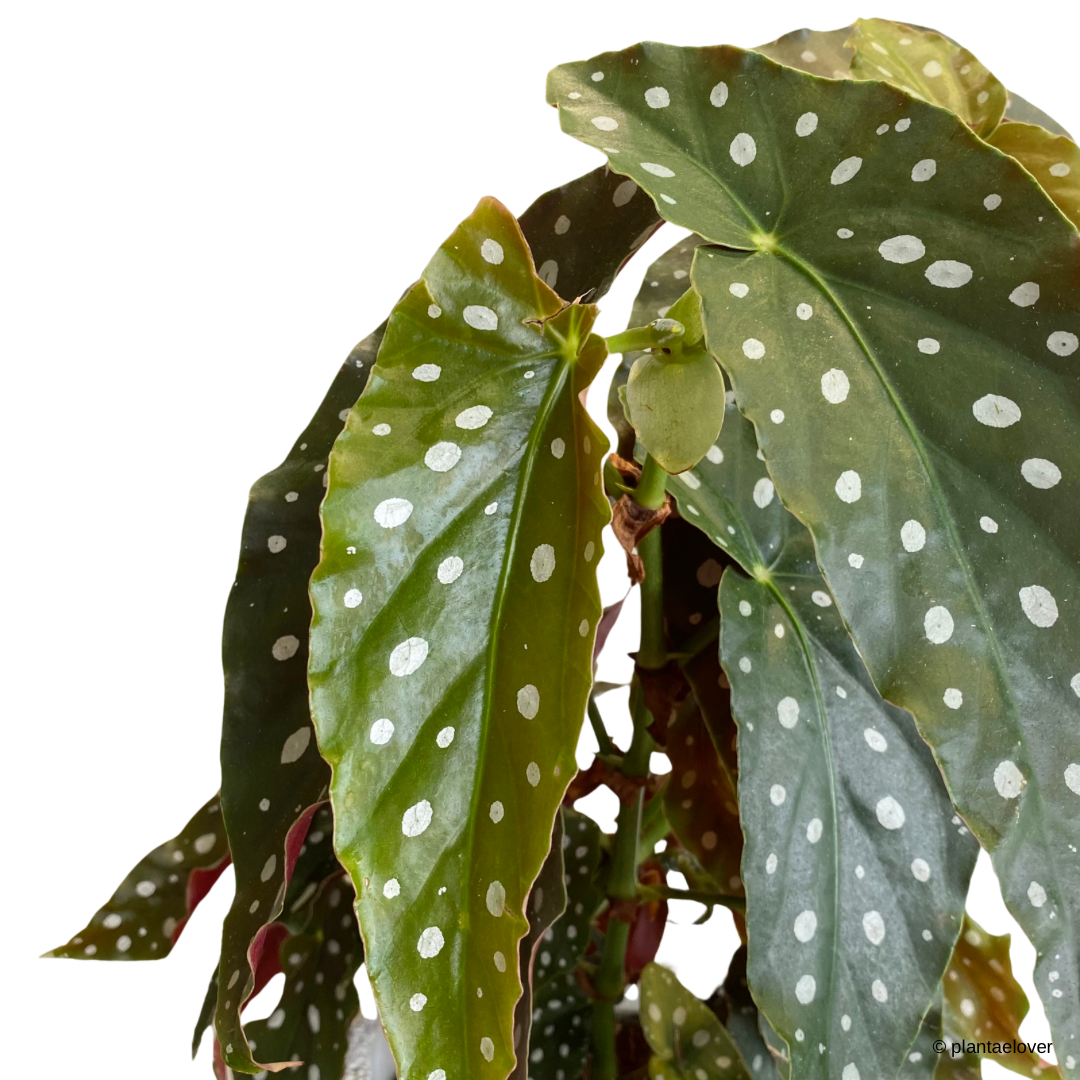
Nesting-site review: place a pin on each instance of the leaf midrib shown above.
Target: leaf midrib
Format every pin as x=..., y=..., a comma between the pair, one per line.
x=543, y=415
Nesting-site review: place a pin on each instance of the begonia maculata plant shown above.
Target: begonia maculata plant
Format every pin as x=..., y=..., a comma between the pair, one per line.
x=847, y=482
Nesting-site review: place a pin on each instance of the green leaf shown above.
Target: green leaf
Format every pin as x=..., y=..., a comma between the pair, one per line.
x=789, y=659
x=144, y=918
x=318, y=1000
x=455, y=605
x=855, y=880
x=827, y=53
x=687, y=1040
x=949, y=539
x=272, y=775
x=1054, y=160
x=818, y=52
x=562, y=1012
x=928, y=65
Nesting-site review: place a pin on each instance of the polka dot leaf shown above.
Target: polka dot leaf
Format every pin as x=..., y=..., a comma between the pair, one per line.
x=687, y=1040
x=936, y=383
x=983, y=1002
x=1053, y=159
x=272, y=775
x=819, y=52
x=561, y=1021
x=928, y=65
x=318, y=1001
x=449, y=702
x=848, y=840
x=144, y=918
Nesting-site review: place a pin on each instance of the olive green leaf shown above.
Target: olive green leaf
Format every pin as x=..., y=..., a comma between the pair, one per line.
x=145, y=916
x=687, y=1040
x=829, y=53
x=547, y=901
x=985, y=1003
x=1054, y=160
x=906, y=345
x=455, y=604
x=562, y=1012
x=583, y=233
x=740, y=1017
x=272, y=775
x=818, y=52
x=928, y=65
x=318, y=1000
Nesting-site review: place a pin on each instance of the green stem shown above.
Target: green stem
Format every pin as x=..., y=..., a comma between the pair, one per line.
x=651, y=492
x=607, y=747
x=658, y=334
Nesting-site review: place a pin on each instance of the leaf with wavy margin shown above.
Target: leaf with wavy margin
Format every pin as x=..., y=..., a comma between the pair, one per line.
x=907, y=352
x=562, y=1011
x=144, y=918
x=546, y=903
x=931, y=66
x=318, y=1001
x=455, y=604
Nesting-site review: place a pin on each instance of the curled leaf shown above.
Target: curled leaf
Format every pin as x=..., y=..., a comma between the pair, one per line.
x=928, y=65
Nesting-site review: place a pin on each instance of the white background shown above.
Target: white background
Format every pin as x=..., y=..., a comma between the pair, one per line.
x=204, y=206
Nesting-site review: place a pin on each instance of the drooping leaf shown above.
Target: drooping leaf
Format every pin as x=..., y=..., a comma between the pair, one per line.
x=144, y=918
x=272, y=775
x=841, y=752
x=907, y=352
x=850, y=859
x=266, y=703
x=687, y=1040
x=547, y=901
x=1054, y=160
x=562, y=1011
x=818, y=52
x=740, y=1017
x=984, y=1002
x=318, y=1001
x=455, y=605
x=928, y=65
